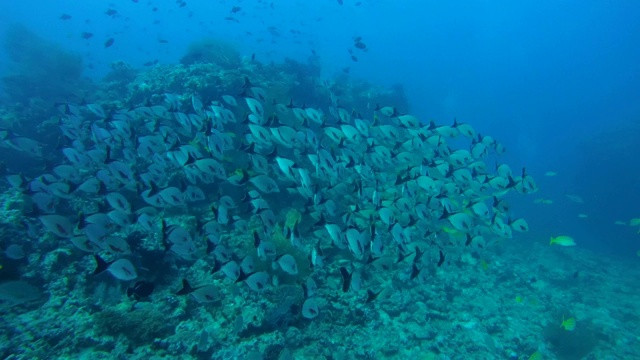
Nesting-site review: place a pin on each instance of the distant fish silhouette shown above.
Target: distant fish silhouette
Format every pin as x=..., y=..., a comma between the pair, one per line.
x=140, y=290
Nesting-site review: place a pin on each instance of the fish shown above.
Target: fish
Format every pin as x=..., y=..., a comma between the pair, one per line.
x=202, y=294
x=257, y=281
x=550, y=173
x=520, y=225
x=575, y=198
x=415, y=271
x=310, y=308
x=441, y=259
x=535, y=356
x=562, y=240
x=58, y=225
x=372, y=296
x=346, y=279
x=288, y=264
x=121, y=269
x=140, y=290
x=484, y=265
x=310, y=288
x=181, y=184
x=86, y=35
x=360, y=45
x=15, y=252
x=65, y=17
x=568, y=324
x=109, y=42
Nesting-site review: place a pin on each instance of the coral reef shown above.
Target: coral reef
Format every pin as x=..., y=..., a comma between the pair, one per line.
x=40, y=69
x=500, y=302
x=212, y=51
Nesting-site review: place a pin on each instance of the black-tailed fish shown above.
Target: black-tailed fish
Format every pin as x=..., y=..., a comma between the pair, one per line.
x=288, y=264
x=202, y=294
x=257, y=281
x=57, y=224
x=121, y=269
x=310, y=308
x=140, y=290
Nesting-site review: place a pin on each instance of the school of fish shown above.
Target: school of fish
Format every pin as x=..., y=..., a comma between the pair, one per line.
x=182, y=180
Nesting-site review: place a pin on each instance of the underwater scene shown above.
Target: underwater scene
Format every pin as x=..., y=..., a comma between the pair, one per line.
x=323, y=180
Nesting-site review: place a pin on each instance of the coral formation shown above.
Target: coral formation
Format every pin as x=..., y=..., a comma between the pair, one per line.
x=40, y=69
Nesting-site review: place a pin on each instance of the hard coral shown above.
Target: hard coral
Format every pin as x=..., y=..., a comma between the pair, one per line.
x=212, y=51
x=39, y=69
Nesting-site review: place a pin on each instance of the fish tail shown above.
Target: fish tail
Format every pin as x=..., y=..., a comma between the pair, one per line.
x=101, y=265
x=186, y=288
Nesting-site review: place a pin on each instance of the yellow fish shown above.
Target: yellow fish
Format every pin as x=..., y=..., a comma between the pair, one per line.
x=569, y=324
x=550, y=173
x=519, y=299
x=634, y=222
x=484, y=265
x=535, y=356
x=562, y=241
x=547, y=202
x=449, y=230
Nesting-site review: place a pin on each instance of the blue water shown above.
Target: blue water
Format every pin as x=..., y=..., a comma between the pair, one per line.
x=557, y=82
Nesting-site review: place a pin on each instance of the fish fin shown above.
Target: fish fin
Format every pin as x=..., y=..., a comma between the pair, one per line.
x=415, y=271
x=371, y=296
x=101, y=265
x=186, y=288
x=346, y=277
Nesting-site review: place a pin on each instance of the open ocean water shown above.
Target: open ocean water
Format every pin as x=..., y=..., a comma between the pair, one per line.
x=327, y=179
